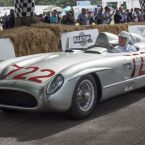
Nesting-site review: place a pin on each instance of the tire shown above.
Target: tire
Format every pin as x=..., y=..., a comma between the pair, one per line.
x=7, y=110
x=84, y=98
x=143, y=89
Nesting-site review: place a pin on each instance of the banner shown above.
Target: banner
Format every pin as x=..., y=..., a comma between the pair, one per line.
x=137, y=29
x=83, y=3
x=78, y=39
x=6, y=49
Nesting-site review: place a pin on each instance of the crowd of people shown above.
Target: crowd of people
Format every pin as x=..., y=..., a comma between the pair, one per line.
x=86, y=17
x=98, y=16
x=8, y=21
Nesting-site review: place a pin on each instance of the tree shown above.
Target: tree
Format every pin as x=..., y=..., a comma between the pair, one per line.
x=62, y=3
x=6, y=3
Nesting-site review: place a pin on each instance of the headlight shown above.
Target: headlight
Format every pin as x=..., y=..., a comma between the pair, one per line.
x=55, y=85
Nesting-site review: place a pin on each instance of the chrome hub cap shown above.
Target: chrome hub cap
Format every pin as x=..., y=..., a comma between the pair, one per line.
x=85, y=95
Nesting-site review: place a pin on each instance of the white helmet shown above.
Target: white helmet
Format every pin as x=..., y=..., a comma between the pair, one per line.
x=124, y=34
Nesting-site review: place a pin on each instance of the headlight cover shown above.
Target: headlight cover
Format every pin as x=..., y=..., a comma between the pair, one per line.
x=55, y=85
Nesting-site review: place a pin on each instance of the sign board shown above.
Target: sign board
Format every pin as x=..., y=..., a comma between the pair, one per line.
x=78, y=39
x=83, y=3
x=129, y=3
x=6, y=49
x=138, y=29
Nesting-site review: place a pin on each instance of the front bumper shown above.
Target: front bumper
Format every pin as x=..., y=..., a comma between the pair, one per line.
x=20, y=95
x=28, y=96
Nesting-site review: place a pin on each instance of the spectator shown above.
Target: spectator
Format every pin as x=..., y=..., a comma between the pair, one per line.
x=140, y=15
x=1, y=22
x=122, y=15
x=95, y=12
x=117, y=17
x=131, y=15
x=64, y=20
x=99, y=16
x=127, y=18
x=107, y=16
x=47, y=18
x=10, y=20
x=135, y=15
x=82, y=19
x=89, y=20
x=40, y=18
x=68, y=19
x=54, y=18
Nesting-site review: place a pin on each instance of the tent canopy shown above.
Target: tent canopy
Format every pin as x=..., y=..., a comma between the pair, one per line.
x=66, y=9
x=50, y=8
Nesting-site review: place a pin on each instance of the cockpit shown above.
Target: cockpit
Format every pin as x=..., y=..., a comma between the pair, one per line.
x=106, y=42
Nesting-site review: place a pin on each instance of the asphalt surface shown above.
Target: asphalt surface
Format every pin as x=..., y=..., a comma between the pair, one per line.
x=117, y=121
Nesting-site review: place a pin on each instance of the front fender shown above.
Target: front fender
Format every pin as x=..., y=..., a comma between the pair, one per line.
x=88, y=71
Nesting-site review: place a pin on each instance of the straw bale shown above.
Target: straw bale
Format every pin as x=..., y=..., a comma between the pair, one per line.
x=29, y=40
x=58, y=29
x=41, y=38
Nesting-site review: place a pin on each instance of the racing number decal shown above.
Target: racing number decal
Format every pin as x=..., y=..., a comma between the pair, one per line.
x=21, y=76
x=11, y=72
x=36, y=78
x=33, y=69
x=141, y=71
x=134, y=65
x=134, y=68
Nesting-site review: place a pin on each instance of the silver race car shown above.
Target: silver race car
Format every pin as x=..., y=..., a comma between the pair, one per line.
x=72, y=81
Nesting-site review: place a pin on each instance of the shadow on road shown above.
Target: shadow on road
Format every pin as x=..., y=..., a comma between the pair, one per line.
x=27, y=126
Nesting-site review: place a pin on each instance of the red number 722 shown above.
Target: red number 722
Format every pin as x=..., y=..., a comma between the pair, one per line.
x=31, y=69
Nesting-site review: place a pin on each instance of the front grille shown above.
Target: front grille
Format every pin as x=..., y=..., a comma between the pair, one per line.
x=17, y=98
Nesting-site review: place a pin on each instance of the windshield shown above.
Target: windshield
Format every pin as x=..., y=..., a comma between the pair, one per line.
x=98, y=48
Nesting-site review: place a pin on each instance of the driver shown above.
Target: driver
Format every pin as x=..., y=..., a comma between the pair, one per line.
x=124, y=45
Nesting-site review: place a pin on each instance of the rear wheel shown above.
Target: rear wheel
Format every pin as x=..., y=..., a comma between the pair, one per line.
x=84, y=97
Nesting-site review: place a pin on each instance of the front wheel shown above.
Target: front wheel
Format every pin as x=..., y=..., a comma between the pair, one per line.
x=84, y=97
x=6, y=110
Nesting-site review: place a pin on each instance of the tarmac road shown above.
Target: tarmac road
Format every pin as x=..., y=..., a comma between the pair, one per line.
x=118, y=121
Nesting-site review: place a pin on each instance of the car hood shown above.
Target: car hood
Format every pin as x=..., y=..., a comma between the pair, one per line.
x=40, y=68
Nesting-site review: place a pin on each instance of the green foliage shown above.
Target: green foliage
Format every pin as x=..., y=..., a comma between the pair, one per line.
x=6, y=3
x=61, y=3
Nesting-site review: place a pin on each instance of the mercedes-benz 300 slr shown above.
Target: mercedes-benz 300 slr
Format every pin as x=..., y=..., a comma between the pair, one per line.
x=72, y=81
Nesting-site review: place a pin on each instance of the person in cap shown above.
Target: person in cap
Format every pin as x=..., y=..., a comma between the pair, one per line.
x=124, y=45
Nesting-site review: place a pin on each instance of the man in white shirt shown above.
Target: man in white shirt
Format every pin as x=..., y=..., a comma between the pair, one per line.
x=107, y=16
x=123, y=45
x=135, y=15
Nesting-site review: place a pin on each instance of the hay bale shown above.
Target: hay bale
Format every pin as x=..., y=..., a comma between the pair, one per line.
x=41, y=38
x=29, y=40
x=58, y=28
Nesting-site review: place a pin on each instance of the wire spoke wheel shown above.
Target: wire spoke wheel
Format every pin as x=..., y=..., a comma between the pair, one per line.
x=84, y=97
